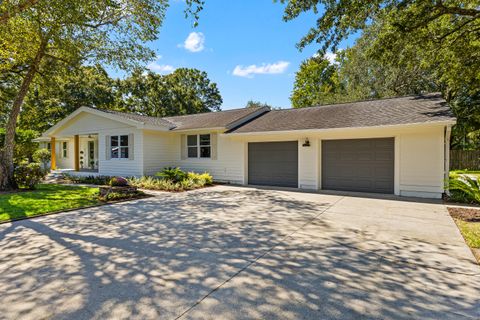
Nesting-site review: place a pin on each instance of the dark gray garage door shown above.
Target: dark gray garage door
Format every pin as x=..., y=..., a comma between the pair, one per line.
x=365, y=165
x=273, y=163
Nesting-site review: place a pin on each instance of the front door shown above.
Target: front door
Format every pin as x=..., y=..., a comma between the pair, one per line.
x=92, y=159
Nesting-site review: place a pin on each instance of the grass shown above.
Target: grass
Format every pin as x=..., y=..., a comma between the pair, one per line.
x=456, y=173
x=45, y=199
x=471, y=232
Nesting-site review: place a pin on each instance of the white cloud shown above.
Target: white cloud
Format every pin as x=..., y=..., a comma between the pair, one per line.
x=160, y=68
x=270, y=68
x=330, y=56
x=195, y=42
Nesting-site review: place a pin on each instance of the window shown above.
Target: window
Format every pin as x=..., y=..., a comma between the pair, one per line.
x=49, y=146
x=119, y=147
x=198, y=146
x=65, y=149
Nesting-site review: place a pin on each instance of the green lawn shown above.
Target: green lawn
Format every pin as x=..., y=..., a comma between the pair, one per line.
x=470, y=231
x=46, y=198
x=456, y=173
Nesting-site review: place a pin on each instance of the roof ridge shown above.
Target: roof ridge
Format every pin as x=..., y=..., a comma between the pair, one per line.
x=210, y=112
x=360, y=101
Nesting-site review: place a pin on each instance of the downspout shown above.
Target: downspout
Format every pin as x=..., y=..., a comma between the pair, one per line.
x=448, y=131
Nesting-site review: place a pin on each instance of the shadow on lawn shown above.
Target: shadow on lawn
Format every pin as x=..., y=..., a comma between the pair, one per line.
x=155, y=258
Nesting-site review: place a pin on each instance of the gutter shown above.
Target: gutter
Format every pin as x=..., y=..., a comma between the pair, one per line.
x=392, y=126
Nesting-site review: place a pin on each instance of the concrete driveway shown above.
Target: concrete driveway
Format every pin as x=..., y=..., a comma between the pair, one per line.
x=240, y=253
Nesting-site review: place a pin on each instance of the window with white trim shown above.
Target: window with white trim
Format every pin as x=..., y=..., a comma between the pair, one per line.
x=119, y=147
x=49, y=146
x=65, y=149
x=199, y=146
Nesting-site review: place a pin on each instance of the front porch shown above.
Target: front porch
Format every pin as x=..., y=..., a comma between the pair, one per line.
x=77, y=154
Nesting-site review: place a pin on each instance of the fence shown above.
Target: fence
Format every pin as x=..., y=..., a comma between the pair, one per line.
x=464, y=159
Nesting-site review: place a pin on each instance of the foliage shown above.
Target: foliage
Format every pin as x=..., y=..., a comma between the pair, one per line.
x=201, y=178
x=53, y=98
x=42, y=156
x=257, y=104
x=185, y=91
x=24, y=144
x=116, y=196
x=172, y=174
x=189, y=182
x=432, y=21
x=118, y=182
x=47, y=37
x=96, y=180
x=465, y=188
x=316, y=82
x=46, y=198
x=28, y=175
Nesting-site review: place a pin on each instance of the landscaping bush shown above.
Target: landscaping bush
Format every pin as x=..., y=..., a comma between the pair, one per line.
x=96, y=180
x=172, y=174
x=464, y=189
x=118, y=182
x=190, y=181
x=115, y=196
x=42, y=156
x=28, y=175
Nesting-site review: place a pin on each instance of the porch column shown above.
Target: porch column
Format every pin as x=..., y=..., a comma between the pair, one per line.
x=76, y=144
x=53, y=156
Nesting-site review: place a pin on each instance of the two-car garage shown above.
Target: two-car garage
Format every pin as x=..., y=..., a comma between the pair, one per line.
x=365, y=165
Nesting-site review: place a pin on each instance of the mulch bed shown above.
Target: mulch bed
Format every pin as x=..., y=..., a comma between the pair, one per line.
x=465, y=214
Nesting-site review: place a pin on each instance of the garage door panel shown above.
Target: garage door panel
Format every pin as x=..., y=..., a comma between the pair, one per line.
x=273, y=163
x=365, y=165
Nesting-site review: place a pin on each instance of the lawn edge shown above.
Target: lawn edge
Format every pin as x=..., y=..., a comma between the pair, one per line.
x=73, y=209
x=475, y=251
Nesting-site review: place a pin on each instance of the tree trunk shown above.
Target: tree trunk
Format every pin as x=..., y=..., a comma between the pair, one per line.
x=7, y=180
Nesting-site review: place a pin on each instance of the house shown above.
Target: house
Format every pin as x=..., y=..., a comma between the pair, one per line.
x=398, y=146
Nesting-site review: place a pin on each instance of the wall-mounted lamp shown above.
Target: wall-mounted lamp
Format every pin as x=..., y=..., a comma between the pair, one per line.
x=306, y=143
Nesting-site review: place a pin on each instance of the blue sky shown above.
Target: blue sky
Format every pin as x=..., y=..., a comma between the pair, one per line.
x=243, y=45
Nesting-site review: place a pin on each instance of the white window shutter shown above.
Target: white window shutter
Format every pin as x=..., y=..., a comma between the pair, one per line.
x=131, y=149
x=213, y=146
x=108, y=148
x=183, y=146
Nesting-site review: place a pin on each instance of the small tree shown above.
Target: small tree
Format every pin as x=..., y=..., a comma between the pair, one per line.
x=42, y=156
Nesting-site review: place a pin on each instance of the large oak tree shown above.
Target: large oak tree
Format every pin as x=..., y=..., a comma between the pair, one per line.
x=64, y=33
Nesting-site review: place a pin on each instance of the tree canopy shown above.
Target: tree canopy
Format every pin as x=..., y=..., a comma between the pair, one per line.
x=184, y=91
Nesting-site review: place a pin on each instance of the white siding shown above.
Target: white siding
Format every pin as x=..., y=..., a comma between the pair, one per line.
x=160, y=151
x=164, y=150
x=121, y=167
x=421, y=163
x=86, y=123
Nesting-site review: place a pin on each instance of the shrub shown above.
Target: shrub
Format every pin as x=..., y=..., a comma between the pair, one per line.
x=27, y=175
x=118, y=182
x=114, y=196
x=203, y=179
x=42, y=156
x=464, y=189
x=97, y=180
x=173, y=174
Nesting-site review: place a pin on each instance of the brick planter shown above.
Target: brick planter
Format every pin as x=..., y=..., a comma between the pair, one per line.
x=104, y=190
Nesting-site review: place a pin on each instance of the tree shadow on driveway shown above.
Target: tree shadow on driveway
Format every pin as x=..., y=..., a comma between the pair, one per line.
x=158, y=257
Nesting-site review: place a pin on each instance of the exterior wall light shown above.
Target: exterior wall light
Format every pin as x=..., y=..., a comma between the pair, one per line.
x=306, y=143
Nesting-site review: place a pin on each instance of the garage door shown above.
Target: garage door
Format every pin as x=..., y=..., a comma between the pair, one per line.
x=273, y=163
x=365, y=165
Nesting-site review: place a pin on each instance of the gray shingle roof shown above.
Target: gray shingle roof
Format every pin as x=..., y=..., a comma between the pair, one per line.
x=220, y=119
x=154, y=121
x=393, y=111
